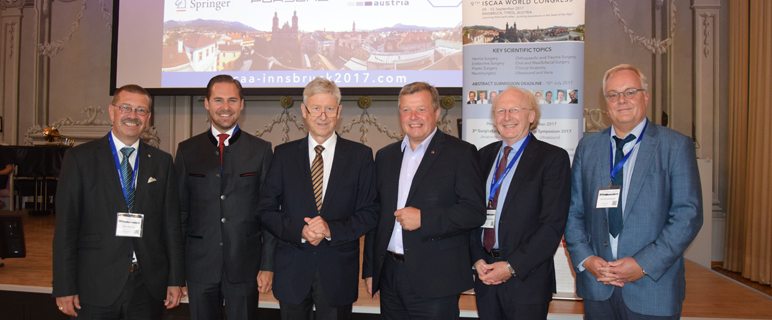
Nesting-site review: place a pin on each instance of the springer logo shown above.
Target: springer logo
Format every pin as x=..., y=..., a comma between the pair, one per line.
x=202, y=4
x=180, y=5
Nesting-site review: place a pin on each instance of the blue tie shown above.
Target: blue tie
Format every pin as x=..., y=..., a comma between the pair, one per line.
x=127, y=174
x=615, y=214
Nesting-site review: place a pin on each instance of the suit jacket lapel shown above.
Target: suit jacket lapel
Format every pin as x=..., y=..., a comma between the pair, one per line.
x=525, y=166
x=108, y=170
x=430, y=155
x=143, y=176
x=642, y=163
x=339, y=165
x=304, y=170
x=603, y=166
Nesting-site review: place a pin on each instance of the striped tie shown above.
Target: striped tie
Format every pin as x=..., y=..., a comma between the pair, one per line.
x=317, y=175
x=126, y=173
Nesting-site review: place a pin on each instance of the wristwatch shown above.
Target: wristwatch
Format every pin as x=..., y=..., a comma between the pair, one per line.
x=511, y=270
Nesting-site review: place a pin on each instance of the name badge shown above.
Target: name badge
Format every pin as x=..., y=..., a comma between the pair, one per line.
x=129, y=225
x=490, y=218
x=608, y=197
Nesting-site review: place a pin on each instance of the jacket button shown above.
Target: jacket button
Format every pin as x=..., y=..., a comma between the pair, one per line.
x=223, y=220
x=217, y=153
x=222, y=197
x=217, y=175
x=221, y=244
x=605, y=244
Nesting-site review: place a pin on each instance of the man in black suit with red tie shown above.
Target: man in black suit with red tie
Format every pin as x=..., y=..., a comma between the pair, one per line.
x=430, y=197
x=228, y=255
x=528, y=192
x=117, y=246
x=318, y=200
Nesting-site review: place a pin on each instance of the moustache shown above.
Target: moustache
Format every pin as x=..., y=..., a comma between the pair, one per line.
x=132, y=121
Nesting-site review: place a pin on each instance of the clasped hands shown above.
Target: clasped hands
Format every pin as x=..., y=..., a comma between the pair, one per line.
x=615, y=273
x=316, y=230
x=492, y=274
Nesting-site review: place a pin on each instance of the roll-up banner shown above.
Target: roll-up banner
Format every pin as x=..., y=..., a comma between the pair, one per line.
x=537, y=45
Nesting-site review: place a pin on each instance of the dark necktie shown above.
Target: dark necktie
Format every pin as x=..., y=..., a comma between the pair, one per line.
x=615, y=214
x=317, y=176
x=223, y=137
x=127, y=174
x=489, y=234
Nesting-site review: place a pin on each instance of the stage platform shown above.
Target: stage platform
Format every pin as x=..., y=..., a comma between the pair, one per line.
x=25, y=288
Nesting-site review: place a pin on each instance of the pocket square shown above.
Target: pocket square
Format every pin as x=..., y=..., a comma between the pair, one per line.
x=151, y=180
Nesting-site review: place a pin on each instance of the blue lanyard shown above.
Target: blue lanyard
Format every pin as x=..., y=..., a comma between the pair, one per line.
x=621, y=164
x=118, y=165
x=496, y=183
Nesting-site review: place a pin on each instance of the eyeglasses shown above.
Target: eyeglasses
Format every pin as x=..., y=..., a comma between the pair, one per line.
x=629, y=94
x=127, y=109
x=502, y=112
x=317, y=111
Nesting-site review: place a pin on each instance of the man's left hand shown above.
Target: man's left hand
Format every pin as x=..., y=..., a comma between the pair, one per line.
x=264, y=281
x=498, y=273
x=620, y=272
x=318, y=225
x=409, y=218
x=173, y=295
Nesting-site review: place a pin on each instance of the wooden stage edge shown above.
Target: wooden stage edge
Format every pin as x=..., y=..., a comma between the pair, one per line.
x=709, y=295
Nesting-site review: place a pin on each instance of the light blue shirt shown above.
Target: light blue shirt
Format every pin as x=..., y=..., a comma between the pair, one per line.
x=411, y=159
x=504, y=188
x=627, y=171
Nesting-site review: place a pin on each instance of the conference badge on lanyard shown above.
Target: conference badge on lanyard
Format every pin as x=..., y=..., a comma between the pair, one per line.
x=129, y=225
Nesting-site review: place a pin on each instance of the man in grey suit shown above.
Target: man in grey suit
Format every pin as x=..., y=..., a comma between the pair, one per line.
x=117, y=246
x=221, y=171
x=636, y=205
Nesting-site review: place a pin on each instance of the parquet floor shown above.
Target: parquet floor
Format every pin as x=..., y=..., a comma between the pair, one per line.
x=709, y=294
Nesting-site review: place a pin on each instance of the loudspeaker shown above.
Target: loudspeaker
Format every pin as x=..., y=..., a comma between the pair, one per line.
x=11, y=235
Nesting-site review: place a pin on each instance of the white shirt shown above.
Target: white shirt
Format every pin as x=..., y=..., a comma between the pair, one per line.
x=132, y=157
x=118, y=144
x=216, y=134
x=328, y=154
x=411, y=159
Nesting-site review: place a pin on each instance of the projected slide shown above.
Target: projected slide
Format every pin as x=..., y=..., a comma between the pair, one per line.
x=268, y=43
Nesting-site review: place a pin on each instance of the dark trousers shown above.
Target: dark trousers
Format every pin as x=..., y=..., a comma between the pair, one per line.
x=615, y=309
x=494, y=303
x=135, y=302
x=315, y=297
x=206, y=300
x=399, y=300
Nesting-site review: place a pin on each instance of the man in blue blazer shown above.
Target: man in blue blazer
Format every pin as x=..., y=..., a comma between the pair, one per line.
x=318, y=200
x=634, y=211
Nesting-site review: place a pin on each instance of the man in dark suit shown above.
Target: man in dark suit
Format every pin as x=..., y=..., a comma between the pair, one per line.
x=220, y=173
x=118, y=247
x=636, y=205
x=528, y=192
x=318, y=200
x=430, y=195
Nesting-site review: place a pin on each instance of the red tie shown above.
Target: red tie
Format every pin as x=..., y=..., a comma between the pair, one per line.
x=223, y=137
x=489, y=234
